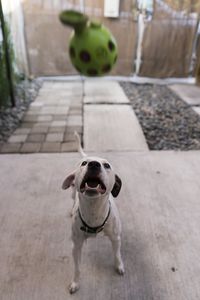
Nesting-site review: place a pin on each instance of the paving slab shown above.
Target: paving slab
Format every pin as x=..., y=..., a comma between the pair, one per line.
x=103, y=91
x=36, y=104
x=55, y=98
x=47, y=110
x=49, y=147
x=197, y=110
x=62, y=88
x=17, y=138
x=30, y=147
x=39, y=129
x=58, y=123
x=45, y=118
x=63, y=85
x=22, y=131
x=75, y=120
x=160, y=212
x=189, y=93
x=72, y=128
x=32, y=112
x=36, y=137
x=112, y=128
x=59, y=117
x=31, y=118
x=54, y=137
x=69, y=136
x=60, y=129
x=70, y=146
x=11, y=148
x=41, y=124
x=27, y=125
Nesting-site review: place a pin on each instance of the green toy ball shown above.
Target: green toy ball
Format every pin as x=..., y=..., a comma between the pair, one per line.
x=92, y=48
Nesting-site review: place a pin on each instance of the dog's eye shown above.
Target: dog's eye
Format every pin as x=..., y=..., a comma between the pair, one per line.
x=84, y=163
x=106, y=165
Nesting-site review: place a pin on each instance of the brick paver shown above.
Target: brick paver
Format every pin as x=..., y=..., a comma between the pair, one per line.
x=11, y=148
x=30, y=147
x=39, y=129
x=54, y=137
x=50, y=121
x=69, y=147
x=18, y=138
x=36, y=137
x=57, y=129
x=22, y=131
x=50, y=147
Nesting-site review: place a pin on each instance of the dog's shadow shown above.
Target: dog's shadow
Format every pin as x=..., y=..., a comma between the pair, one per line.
x=141, y=278
x=99, y=254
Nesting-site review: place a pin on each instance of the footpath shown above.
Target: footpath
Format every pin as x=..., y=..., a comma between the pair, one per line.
x=159, y=203
x=97, y=109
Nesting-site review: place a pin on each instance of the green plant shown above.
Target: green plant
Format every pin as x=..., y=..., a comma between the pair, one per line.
x=4, y=84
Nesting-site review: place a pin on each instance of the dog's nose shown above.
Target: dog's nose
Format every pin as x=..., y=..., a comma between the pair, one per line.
x=95, y=165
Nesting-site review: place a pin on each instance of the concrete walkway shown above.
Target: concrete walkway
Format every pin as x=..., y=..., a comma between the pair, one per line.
x=160, y=212
x=110, y=123
x=159, y=207
x=62, y=107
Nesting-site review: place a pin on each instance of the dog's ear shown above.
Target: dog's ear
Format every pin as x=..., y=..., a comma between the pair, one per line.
x=69, y=181
x=117, y=186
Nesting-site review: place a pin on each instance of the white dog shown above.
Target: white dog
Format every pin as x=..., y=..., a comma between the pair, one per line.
x=94, y=210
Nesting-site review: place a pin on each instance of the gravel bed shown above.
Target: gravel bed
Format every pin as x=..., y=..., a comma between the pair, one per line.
x=167, y=121
x=10, y=117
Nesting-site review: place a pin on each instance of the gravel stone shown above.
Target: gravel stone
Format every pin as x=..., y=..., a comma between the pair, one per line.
x=167, y=121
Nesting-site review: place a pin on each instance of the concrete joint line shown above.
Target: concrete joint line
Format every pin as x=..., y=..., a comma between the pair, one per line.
x=107, y=103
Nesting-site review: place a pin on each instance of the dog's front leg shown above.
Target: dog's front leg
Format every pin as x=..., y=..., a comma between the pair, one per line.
x=116, y=244
x=77, y=247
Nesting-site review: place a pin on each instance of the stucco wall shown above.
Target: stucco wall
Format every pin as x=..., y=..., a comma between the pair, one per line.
x=165, y=50
x=47, y=39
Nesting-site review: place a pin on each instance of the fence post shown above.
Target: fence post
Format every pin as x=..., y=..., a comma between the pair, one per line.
x=7, y=57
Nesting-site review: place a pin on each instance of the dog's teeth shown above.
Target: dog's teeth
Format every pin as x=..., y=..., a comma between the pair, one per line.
x=92, y=188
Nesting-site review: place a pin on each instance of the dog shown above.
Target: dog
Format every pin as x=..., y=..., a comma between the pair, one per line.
x=94, y=184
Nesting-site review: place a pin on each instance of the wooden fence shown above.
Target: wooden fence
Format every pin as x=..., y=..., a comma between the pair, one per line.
x=167, y=46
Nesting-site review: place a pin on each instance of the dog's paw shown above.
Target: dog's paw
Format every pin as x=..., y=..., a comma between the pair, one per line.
x=120, y=269
x=73, y=288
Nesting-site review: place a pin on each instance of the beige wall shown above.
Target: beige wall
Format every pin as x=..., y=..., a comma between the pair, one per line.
x=47, y=39
x=166, y=46
x=167, y=49
x=186, y=5
x=168, y=40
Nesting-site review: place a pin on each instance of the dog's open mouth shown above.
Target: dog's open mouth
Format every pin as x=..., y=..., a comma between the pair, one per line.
x=92, y=185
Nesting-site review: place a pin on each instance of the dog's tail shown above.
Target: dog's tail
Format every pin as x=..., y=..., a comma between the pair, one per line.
x=80, y=149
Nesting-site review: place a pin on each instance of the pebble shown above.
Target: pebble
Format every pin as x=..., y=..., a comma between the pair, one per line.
x=10, y=117
x=167, y=121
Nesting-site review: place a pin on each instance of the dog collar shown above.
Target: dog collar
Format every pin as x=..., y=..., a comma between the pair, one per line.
x=94, y=230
